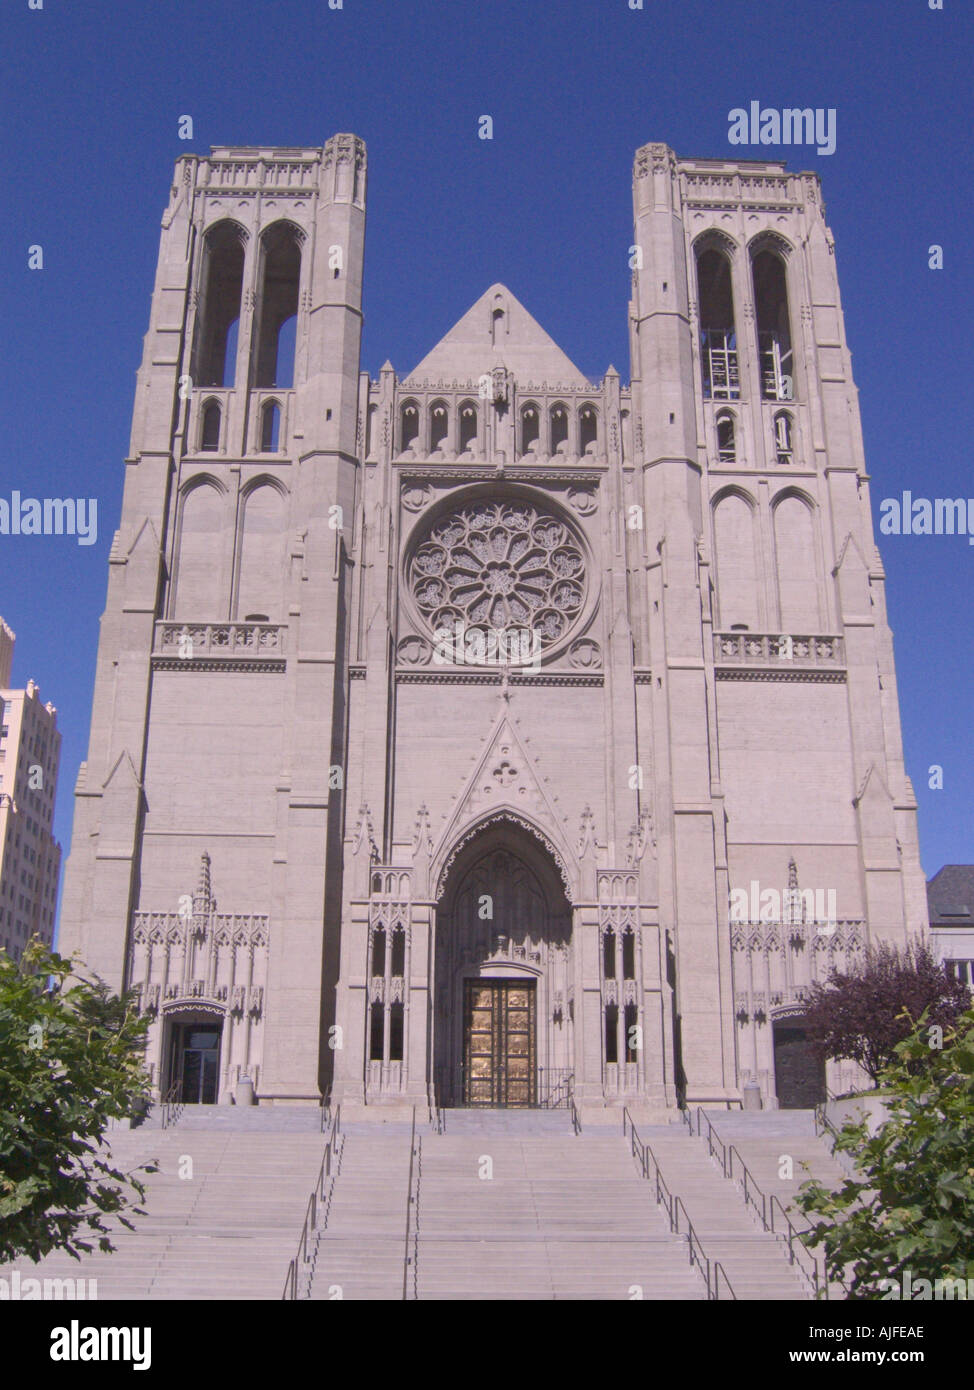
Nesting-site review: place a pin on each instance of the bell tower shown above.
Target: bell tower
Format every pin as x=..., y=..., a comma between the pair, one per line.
x=218, y=710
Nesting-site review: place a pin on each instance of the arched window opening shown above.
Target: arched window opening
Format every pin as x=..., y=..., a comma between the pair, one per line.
x=588, y=429
x=611, y=1033
x=609, y=955
x=219, y=311
x=468, y=427
x=270, y=428
x=631, y=1023
x=379, y=952
x=439, y=425
x=718, y=336
x=287, y=343
x=629, y=955
x=395, y=1032
x=784, y=449
x=774, y=330
x=376, y=1021
x=726, y=445
x=398, y=966
x=409, y=426
x=210, y=433
x=277, y=306
x=530, y=428
x=559, y=428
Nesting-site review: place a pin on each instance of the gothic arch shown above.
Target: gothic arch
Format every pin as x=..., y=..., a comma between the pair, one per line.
x=734, y=490
x=468, y=427
x=219, y=291
x=736, y=550
x=260, y=560
x=198, y=571
x=210, y=425
x=529, y=428
x=438, y=424
x=767, y=240
x=409, y=419
x=794, y=527
x=793, y=490
x=278, y=294
x=503, y=953
x=713, y=239
x=442, y=868
x=221, y=226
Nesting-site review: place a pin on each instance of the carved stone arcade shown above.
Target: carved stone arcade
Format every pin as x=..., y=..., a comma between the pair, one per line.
x=195, y=963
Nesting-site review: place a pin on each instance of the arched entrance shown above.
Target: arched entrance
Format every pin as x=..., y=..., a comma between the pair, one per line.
x=194, y=1047
x=503, y=999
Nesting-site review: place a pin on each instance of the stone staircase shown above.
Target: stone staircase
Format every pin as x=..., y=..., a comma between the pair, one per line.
x=359, y=1254
x=226, y=1232
x=507, y=1205
x=764, y=1140
x=512, y=1205
x=729, y=1230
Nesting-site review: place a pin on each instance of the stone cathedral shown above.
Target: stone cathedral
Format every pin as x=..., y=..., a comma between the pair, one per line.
x=473, y=734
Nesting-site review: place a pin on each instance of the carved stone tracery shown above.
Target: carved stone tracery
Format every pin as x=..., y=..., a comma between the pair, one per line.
x=500, y=565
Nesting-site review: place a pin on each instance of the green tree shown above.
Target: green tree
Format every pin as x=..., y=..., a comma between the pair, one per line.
x=70, y=1061
x=912, y=1206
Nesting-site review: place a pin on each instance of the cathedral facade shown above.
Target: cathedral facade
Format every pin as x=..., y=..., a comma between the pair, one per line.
x=484, y=733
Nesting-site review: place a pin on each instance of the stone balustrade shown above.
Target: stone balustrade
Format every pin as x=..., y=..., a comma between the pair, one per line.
x=777, y=649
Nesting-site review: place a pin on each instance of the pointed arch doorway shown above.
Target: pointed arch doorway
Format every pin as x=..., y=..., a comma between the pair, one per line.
x=503, y=999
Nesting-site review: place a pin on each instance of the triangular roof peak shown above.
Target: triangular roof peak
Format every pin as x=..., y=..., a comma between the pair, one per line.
x=497, y=331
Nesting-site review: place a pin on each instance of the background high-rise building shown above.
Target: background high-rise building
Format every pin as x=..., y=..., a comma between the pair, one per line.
x=30, y=857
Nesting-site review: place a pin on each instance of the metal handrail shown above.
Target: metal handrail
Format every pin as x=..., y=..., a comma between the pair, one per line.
x=559, y=1092
x=727, y=1166
x=409, y=1205
x=727, y=1153
x=172, y=1105
x=721, y=1273
x=817, y=1280
x=311, y=1213
x=673, y=1204
x=437, y=1115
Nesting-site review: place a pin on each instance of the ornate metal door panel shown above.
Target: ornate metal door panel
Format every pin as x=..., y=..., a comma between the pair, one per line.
x=500, y=1043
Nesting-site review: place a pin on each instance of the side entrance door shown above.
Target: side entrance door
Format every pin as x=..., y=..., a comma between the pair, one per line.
x=196, y=1062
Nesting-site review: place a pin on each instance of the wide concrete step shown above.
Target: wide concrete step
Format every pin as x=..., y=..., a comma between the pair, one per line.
x=553, y=1215
x=223, y=1215
x=754, y=1260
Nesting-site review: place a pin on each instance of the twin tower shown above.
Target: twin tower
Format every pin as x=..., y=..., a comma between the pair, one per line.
x=480, y=733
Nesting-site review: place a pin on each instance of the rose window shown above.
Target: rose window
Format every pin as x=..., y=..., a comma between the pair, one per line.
x=501, y=566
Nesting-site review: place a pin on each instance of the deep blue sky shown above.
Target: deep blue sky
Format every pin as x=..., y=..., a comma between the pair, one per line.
x=92, y=93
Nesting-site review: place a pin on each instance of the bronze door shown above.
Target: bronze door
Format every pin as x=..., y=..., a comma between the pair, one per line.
x=499, y=1043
